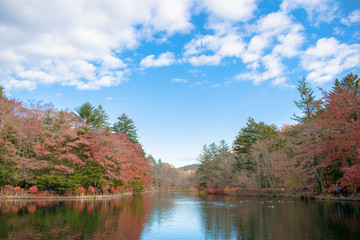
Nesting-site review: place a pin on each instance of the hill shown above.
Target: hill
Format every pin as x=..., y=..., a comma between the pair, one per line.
x=189, y=167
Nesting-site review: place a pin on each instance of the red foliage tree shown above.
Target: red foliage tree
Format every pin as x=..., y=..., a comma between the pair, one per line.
x=331, y=141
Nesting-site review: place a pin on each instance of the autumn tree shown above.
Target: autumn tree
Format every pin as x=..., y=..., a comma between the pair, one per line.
x=127, y=126
x=40, y=145
x=327, y=145
x=340, y=140
x=274, y=163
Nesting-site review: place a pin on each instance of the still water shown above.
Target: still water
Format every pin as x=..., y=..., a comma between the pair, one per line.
x=180, y=216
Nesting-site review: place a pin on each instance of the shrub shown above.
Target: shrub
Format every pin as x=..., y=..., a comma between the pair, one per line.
x=33, y=189
x=227, y=190
x=82, y=189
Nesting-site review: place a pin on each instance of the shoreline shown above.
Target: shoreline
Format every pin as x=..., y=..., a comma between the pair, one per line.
x=86, y=197
x=106, y=197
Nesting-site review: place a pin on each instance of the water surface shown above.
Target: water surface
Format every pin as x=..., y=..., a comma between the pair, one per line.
x=180, y=216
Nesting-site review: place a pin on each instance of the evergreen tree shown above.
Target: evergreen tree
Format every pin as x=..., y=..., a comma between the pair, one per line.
x=248, y=136
x=306, y=103
x=252, y=132
x=215, y=167
x=350, y=81
x=126, y=125
x=2, y=95
x=101, y=118
x=86, y=113
x=91, y=116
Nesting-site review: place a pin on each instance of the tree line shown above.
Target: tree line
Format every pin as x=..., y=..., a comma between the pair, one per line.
x=320, y=153
x=41, y=146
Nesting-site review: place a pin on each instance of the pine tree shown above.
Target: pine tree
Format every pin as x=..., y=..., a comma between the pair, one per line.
x=91, y=116
x=306, y=103
x=252, y=132
x=246, y=138
x=350, y=81
x=101, y=119
x=126, y=125
x=2, y=95
x=86, y=113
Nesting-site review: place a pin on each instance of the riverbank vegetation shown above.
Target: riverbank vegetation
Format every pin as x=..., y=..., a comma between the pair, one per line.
x=321, y=153
x=80, y=152
x=68, y=151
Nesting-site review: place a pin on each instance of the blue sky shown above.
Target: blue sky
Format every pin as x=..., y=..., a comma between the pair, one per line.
x=187, y=72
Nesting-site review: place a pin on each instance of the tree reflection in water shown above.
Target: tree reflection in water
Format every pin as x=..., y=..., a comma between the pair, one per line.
x=180, y=216
x=227, y=217
x=103, y=219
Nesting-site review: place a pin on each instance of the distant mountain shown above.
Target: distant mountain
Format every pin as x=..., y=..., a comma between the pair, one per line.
x=189, y=167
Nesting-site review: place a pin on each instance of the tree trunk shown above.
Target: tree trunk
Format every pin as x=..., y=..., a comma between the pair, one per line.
x=321, y=183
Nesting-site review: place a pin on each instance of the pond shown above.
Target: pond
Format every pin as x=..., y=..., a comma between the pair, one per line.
x=176, y=215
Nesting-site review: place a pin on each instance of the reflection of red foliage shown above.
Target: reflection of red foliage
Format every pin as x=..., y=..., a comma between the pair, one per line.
x=80, y=206
x=89, y=208
x=31, y=208
x=41, y=203
x=15, y=209
x=214, y=191
x=5, y=210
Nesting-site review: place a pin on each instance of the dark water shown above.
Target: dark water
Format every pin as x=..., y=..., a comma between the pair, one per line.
x=180, y=216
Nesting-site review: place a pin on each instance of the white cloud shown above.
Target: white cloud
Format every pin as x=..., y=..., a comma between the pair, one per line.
x=317, y=10
x=354, y=17
x=205, y=60
x=179, y=80
x=329, y=58
x=79, y=43
x=217, y=47
x=172, y=16
x=164, y=59
x=233, y=10
x=290, y=42
x=275, y=37
x=274, y=69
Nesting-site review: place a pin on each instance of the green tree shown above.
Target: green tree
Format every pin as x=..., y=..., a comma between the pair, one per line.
x=252, y=132
x=126, y=125
x=306, y=104
x=215, y=168
x=2, y=95
x=101, y=118
x=248, y=136
x=350, y=81
x=91, y=116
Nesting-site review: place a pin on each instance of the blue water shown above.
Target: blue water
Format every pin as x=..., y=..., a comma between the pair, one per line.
x=180, y=216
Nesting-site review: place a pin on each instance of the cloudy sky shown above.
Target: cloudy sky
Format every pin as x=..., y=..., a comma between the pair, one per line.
x=187, y=72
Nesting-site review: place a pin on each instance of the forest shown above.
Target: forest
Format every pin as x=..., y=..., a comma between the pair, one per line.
x=81, y=151
x=321, y=153
x=41, y=146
